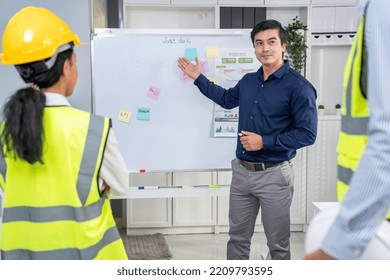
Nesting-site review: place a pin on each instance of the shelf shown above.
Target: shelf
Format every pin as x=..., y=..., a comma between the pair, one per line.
x=331, y=45
x=329, y=118
x=133, y=192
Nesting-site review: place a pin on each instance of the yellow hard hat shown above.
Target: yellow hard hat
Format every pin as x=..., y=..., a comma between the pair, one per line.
x=34, y=34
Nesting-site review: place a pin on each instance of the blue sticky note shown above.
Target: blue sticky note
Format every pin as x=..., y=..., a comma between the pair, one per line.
x=191, y=53
x=143, y=114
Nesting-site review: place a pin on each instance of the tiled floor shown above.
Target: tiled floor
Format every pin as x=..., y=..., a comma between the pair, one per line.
x=213, y=246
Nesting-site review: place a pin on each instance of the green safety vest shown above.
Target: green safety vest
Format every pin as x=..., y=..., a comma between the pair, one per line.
x=56, y=210
x=354, y=114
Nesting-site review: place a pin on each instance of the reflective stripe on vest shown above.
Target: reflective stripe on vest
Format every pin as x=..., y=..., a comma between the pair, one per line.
x=79, y=220
x=110, y=236
x=355, y=116
x=54, y=213
x=90, y=157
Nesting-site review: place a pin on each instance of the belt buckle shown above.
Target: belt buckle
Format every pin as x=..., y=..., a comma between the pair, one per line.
x=260, y=164
x=253, y=166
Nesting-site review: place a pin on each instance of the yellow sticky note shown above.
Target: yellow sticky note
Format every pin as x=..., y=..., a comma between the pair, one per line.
x=214, y=186
x=214, y=80
x=212, y=52
x=124, y=116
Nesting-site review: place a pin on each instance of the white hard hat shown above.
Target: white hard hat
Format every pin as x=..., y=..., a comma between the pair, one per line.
x=377, y=249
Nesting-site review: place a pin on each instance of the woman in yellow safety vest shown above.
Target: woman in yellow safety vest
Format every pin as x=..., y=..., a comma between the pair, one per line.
x=59, y=163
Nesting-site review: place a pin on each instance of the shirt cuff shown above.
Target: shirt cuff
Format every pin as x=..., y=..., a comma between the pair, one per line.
x=268, y=142
x=341, y=245
x=201, y=81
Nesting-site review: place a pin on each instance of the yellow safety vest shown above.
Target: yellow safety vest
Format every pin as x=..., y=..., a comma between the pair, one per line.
x=354, y=114
x=55, y=210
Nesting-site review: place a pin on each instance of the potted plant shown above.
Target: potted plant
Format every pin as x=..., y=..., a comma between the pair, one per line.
x=296, y=44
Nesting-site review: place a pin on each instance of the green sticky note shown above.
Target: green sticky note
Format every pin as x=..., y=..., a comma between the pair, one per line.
x=143, y=114
x=191, y=53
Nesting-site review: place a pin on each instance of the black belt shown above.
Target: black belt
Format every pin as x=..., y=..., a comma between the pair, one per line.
x=259, y=166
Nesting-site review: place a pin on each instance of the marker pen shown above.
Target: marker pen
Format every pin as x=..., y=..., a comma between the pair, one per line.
x=147, y=187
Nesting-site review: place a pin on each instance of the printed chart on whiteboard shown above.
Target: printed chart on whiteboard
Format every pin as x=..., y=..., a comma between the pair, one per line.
x=231, y=65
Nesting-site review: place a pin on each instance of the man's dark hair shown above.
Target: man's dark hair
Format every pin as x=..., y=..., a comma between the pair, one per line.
x=269, y=24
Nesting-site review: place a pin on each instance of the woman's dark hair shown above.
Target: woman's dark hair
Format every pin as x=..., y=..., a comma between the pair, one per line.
x=269, y=24
x=23, y=132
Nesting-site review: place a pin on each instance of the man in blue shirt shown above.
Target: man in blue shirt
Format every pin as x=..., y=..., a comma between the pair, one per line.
x=277, y=116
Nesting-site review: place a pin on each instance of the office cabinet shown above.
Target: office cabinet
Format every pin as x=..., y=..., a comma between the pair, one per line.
x=147, y=2
x=322, y=164
x=242, y=2
x=334, y=19
x=241, y=17
x=150, y=212
x=287, y=2
x=346, y=19
x=323, y=19
x=328, y=83
x=168, y=17
x=194, y=211
x=172, y=213
x=224, y=178
x=193, y=2
x=333, y=2
x=298, y=205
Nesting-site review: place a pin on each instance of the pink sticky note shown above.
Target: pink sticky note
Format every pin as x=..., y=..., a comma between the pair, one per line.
x=205, y=66
x=184, y=78
x=154, y=93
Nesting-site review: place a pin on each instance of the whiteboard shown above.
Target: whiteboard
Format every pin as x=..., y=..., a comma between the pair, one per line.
x=178, y=133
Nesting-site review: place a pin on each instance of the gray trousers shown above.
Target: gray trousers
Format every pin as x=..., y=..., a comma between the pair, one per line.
x=272, y=190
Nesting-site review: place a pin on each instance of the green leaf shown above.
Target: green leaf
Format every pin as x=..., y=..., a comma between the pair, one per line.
x=296, y=44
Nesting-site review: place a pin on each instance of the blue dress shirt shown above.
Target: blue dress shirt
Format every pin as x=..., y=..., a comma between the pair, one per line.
x=282, y=109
